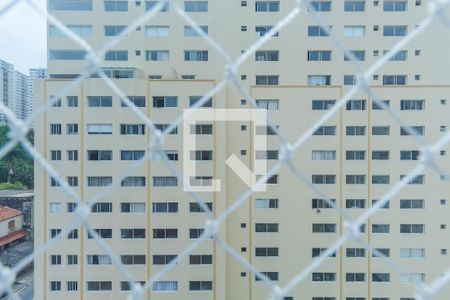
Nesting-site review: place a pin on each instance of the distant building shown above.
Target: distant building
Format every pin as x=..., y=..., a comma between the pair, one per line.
x=17, y=90
x=11, y=221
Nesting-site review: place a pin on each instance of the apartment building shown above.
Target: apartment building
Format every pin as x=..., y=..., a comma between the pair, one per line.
x=91, y=137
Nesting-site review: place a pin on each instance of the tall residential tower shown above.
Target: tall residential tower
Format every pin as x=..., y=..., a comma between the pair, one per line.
x=163, y=67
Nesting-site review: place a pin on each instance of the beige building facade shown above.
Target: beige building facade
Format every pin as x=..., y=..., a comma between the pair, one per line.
x=92, y=139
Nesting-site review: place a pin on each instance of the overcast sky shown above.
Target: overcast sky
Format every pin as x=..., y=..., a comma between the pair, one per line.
x=23, y=36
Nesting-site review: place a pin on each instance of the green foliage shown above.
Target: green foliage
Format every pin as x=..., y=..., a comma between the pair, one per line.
x=19, y=161
x=12, y=186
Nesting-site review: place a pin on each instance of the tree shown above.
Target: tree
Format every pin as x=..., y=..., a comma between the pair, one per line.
x=17, y=165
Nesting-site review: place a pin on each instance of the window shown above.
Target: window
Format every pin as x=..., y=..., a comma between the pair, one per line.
x=412, y=228
x=412, y=277
x=189, y=31
x=412, y=252
x=193, y=100
x=81, y=30
x=355, y=277
x=72, y=259
x=72, y=155
x=318, y=31
x=316, y=252
x=322, y=203
x=349, y=79
x=54, y=233
x=323, y=227
x=99, y=128
x=151, y=4
x=325, y=130
x=355, y=203
x=99, y=101
x=165, y=207
x=99, y=155
x=114, y=30
x=321, y=276
x=394, y=30
x=355, y=130
x=55, y=129
x=156, y=31
x=323, y=179
x=394, y=5
x=67, y=54
x=99, y=180
x=55, y=207
x=126, y=286
x=398, y=56
x=419, y=179
x=164, y=127
x=321, y=5
x=132, y=154
x=380, y=228
x=380, y=130
x=71, y=207
x=165, y=233
x=266, y=203
x=321, y=104
x=262, y=30
x=267, y=6
x=380, y=155
x=165, y=155
x=419, y=130
x=55, y=286
x=196, y=55
x=355, y=179
x=157, y=55
x=323, y=154
x=265, y=154
x=133, y=181
x=319, y=55
x=104, y=233
x=165, y=286
x=70, y=5
x=201, y=129
x=132, y=207
x=266, y=251
x=354, y=31
x=359, y=55
x=165, y=101
x=265, y=130
x=195, y=207
x=54, y=182
x=381, y=252
x=381, y=277
x=355, y=155
x=102, y=207
x=133, y=259
x=409, y=154
x=267, y=79
x=99, y=285
x=269, y=104
x=116, y=55
x=72, y=129
x=72, y=180
x=267, y=55
x=55, y=154
x=116, y=5
x=132, y=129
x=266, y=227
x=385, y=205
x=165, y=181
x=270, y=275
x=72, y=101
x=163, y=259
x=412, y=104
x=99, y=260
x=132, y=233
x=195, y=6
x=380, y=179
x=376, y=106
x=412, y=203
x=353, y=104
x=55, y=259
x=355, y=252
x=138, y=101
x=319, y=79
x=200, y=285
x=354, y=5
x=394, y=79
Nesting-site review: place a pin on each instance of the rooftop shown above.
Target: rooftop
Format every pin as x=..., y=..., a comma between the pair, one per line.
x=8, y=213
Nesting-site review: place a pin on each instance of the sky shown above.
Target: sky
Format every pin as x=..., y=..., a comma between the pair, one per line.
x=23, y=38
